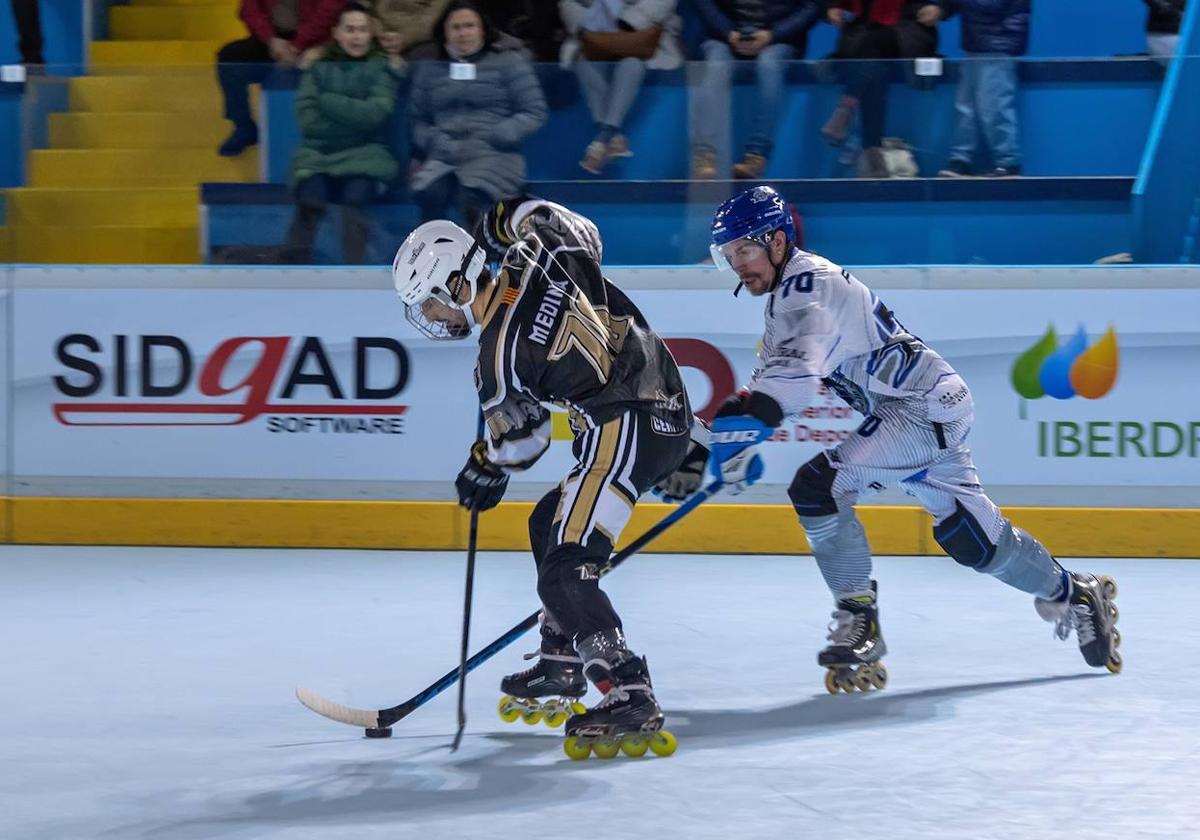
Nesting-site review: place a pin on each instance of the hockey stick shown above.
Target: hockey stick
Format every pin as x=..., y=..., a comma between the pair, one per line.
x=466, y=631
x=380, y=718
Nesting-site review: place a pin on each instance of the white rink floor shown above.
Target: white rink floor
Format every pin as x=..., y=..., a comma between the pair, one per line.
x=147, y=693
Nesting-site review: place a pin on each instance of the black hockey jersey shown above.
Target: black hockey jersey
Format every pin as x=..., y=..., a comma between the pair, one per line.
x=557, y=332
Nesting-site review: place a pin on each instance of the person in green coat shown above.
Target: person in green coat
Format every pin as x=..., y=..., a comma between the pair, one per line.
x=343, y=106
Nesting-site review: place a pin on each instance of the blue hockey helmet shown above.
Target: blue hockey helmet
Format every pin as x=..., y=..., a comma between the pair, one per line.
x=754, y=214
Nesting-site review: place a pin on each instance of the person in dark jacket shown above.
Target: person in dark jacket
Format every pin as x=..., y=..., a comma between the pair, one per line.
x=280, y=32
x=768, y=32
x=471, y=115
x=343, y=107
x=875, y=29
x=1162, y=26
x=993, y=33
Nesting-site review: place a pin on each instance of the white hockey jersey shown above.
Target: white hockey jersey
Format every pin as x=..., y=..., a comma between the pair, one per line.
x=823, y=325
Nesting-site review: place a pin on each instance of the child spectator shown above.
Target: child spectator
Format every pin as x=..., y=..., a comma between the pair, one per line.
x=343, y=107
x=611, y=44
x=993, y=32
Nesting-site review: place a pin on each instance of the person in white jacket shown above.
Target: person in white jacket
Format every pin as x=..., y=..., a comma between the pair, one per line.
x=611, y=87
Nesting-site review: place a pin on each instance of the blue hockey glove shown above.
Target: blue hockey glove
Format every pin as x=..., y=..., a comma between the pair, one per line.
x=735, y=460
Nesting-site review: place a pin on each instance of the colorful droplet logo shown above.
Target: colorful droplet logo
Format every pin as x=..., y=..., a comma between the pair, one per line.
x=1063, y=371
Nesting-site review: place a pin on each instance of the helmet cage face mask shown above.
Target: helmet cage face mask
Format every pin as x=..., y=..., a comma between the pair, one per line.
x=437, y=329
x=416, y=270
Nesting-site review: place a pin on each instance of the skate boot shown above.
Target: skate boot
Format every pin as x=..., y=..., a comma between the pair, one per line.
x=856, y=647
x=548, y=692
x=1088, y=608
x=627, y=720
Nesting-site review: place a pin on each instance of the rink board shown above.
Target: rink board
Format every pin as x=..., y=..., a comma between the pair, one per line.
x=230, y=406
x=714, y=528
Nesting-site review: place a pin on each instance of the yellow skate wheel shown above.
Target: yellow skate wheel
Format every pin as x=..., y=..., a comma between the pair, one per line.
x=635, y=747
x=879, y=676
x=663, y=743
x=532, y=717
x=1108, y=586
x=831, y=682
x=556, y=719
x=578, y=708
x=577, y=750
x=508, y=711
x=1114, y=662
x=606, y=749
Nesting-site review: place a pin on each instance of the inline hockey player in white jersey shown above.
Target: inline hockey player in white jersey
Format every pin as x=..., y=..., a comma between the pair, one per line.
x=824, y=326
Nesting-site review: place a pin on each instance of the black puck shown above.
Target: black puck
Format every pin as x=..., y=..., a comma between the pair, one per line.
x=381, y=732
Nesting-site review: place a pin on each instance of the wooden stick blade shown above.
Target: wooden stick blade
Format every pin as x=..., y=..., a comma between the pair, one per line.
x=365, y=718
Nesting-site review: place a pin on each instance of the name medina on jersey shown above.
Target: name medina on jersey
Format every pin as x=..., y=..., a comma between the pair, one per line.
x=244, y=377
x=547, y=314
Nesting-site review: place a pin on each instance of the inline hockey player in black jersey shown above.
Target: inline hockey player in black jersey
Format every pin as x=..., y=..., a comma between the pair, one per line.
x=553, y=330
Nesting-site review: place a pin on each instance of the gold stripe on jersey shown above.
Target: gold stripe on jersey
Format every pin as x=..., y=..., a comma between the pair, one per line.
x=593, y=481
x=501, y=352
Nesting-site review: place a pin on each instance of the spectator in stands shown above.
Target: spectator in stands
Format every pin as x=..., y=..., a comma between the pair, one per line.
x=1162, y=26
x=993, y=32
x=343, y=107
x=768, y=32
x=535, y=22
x=470, y=117
x=875, y=29
x=29, y=32
x=280, y=32
x=406, y=27
x=611, y=44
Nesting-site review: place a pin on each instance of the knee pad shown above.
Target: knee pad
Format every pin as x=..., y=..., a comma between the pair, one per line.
x=962, y=537
x=811, y=491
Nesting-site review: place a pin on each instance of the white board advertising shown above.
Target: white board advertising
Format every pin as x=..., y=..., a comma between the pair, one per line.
x=1073, y=386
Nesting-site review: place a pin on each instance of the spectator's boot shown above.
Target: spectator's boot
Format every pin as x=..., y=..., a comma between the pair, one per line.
x=243, y=136
x=704, y=165
x=1011, y=171
x=751, y=167
x=955, y=169
x=618, y=147
x=837, y=127
x=872, y=164
x=355, y=227
x=595, y=157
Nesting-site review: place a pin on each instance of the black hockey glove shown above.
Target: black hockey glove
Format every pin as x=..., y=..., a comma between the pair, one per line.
x=480, y=484
x=685, y=481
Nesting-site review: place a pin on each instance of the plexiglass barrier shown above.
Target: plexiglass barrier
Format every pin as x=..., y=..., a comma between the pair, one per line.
x=988, y=160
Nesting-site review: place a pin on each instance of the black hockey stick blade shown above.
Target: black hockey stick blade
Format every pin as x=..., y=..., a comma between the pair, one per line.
x=380, y=718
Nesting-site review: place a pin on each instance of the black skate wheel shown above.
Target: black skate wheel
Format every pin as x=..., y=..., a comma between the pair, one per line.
x=381, y=732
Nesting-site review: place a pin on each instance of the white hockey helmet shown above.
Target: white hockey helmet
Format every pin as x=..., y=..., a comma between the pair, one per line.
x=432, y=264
